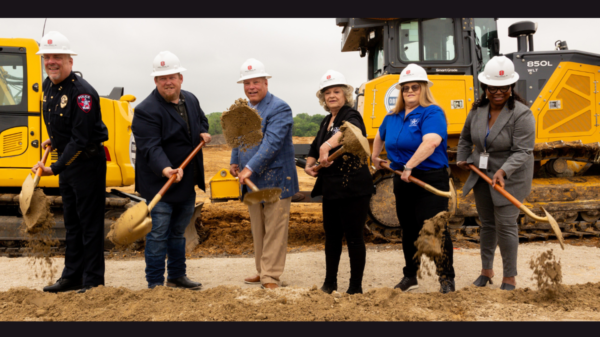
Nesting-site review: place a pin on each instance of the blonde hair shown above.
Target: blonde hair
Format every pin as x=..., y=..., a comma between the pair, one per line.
x=425, y=99
x=347, y=95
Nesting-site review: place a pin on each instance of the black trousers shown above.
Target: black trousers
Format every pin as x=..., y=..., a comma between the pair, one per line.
x=345, y=217
x=83, y=187
x=414, y=205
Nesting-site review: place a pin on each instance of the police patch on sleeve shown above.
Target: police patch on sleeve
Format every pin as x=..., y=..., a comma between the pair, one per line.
x=85, y=102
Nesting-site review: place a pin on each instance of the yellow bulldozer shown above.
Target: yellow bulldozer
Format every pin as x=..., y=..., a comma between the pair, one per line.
x=559, y=85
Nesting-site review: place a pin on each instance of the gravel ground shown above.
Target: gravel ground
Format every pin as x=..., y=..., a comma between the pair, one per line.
x=580, y=265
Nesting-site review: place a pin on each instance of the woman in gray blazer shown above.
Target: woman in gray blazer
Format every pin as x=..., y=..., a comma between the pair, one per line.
x=498, y=138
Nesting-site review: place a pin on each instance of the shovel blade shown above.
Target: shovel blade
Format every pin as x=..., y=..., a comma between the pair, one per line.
x=132, y=225
x=556, y=229
x=268, y=195
x=26, y=194
x=453, y=198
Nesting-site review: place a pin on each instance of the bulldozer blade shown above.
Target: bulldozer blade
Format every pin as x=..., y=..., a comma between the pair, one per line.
x=192, y=239
x=555, y=227
x=26, y=194
x=131, y=226
x=269, y=195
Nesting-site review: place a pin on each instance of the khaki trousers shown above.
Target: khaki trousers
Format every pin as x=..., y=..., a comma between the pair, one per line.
x=269, y=223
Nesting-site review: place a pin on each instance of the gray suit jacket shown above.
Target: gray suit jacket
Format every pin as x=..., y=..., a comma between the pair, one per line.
x=509, y=144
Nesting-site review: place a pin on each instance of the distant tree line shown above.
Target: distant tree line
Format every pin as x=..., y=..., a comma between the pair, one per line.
x=305, y=125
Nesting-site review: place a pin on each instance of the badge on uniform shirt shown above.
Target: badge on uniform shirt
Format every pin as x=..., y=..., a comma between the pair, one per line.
x=85, y=102
x=483, y=160
x=414, y=123
x=63, y=101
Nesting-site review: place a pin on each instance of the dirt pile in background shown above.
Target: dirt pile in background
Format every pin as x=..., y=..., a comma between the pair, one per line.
x=230, y=303
x=241, y=125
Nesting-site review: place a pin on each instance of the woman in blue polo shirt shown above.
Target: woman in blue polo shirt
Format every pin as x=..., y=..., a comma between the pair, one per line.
x=415, y=136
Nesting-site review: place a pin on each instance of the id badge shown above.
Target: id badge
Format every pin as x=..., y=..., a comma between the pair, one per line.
x=483, y=161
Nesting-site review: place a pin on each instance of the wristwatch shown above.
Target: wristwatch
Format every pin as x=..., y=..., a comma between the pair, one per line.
x=406, y=168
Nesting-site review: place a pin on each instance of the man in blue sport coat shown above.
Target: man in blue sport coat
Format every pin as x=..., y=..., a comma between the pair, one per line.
x=269, y=164
x=167, y=126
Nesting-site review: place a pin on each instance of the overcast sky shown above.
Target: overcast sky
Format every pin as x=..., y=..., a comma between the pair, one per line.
x=296, y=52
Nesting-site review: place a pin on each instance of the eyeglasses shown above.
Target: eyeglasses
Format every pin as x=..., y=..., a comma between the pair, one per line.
x=414, y=87
x=494, y=90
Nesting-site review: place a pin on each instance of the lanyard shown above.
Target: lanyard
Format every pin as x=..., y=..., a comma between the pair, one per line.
x=488, y=131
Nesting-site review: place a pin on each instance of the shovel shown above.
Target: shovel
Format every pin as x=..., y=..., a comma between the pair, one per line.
x=353, y=141
x=30, y=184
x=522, y=207
x=135, y=222
x=269, y=195
x=450, y=194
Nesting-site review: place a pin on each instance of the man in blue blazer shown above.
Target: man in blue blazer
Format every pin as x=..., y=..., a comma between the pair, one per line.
x=167, y=126
x=269, y=164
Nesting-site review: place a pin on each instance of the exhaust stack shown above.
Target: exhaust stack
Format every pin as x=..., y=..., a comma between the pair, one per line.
x=523, y=31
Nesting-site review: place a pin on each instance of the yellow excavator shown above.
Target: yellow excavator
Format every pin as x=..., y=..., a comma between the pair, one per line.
x=22, y=130
x=560, y=86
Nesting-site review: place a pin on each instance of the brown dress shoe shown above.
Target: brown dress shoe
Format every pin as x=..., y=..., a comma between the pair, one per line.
x=270, y=286
x=252, y=280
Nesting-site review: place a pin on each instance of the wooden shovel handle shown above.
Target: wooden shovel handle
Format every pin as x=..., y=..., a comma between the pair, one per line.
x=412, y=179
x=331, y=158
x=182, y=166
x=251, y=185
x=44, y=158
x=497, y=187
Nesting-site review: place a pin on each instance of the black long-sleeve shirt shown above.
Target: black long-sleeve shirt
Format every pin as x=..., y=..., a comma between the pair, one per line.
x=73, y=119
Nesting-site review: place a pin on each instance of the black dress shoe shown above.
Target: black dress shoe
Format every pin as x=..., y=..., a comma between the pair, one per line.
x=482, y=281
x=63, y=285
x=447, y=286
x=329, y=287
x=185, y=283
x=352, y=289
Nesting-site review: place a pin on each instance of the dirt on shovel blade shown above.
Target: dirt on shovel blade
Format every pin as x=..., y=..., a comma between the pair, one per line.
x=241, y=125
x=39, y=214
x=351, y=142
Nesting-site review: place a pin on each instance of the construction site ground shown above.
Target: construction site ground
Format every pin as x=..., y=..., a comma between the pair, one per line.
x=225, y=258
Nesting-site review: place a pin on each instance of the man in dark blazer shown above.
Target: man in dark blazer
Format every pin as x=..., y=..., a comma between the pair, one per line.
x=167, y=126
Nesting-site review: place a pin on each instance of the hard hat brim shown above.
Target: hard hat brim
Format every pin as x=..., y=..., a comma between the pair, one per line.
x=168, y=72
x=265, y=75
x=68, y=52
x=429, y=83
x=335, y=85
x=498, y=83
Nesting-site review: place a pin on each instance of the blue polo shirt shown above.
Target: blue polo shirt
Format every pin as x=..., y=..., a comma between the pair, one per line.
x=403, y=137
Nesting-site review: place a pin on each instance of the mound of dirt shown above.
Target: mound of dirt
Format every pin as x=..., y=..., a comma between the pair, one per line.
x=230, y=303
x=241, y=125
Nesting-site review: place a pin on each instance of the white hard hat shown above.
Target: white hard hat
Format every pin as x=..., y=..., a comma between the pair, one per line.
x=413, y=73
x=166, y=63
x=55, y=43
x=499, y=71
x=332, y=78
x=252, y=68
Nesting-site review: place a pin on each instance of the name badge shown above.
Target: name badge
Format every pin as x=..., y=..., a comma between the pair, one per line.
x=483, y=161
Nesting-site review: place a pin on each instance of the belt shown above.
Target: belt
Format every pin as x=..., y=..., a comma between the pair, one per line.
x=89, y=152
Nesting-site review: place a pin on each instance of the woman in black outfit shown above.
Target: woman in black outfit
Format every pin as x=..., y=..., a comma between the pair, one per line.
x=345, y=184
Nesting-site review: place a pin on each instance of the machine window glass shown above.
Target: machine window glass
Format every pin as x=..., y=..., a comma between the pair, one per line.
x=409, y=41
x=378, y=60
x=12, y=77
x=437, y=40
x=485, y=33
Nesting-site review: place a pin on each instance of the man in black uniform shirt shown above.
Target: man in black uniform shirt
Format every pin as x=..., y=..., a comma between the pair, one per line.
x=71, y=109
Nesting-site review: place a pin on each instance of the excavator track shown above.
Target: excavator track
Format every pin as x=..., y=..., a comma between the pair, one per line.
x=566, y=183
x=13, y=241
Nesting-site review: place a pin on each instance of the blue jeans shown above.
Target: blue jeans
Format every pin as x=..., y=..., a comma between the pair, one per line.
x=169, y=221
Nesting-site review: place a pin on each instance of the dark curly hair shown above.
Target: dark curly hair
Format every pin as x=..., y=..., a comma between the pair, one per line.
x=483, y=100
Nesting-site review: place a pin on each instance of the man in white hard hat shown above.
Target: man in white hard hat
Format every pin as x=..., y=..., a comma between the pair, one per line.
x=167, y=126
x=269, y=164
x=71, y=109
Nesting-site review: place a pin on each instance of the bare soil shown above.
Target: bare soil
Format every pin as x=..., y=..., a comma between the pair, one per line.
x=241, y=125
